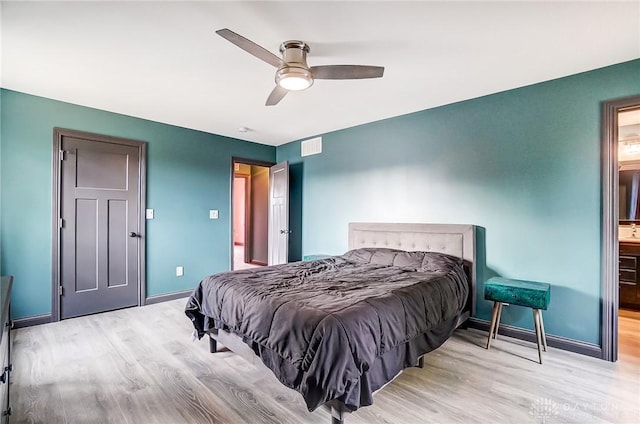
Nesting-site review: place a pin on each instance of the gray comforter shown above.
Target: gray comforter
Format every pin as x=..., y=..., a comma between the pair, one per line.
x=341, y=327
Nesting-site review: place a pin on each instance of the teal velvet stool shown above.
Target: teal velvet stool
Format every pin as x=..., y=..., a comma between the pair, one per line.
x=522, y=293
x=308, y=258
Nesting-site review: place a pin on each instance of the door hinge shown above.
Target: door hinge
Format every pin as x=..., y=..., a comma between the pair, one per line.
x=60, y=223
x=61, y=154
x=60, y=290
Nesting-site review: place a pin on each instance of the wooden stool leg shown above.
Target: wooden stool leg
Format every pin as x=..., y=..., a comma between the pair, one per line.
x=495, y=334
x=494, y=316
x=544, y=334
x=536, y=323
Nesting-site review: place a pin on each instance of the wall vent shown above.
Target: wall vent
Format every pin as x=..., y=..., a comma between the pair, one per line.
x=313, y=146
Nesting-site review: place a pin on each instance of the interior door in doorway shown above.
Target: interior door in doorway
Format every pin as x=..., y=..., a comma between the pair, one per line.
x=99, y=233
x=279, y=213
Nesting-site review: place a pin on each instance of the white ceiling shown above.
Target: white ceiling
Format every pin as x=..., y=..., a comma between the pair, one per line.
x=163, y=61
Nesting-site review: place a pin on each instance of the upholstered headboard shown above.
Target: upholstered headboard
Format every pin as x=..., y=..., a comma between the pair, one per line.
x=453, y=239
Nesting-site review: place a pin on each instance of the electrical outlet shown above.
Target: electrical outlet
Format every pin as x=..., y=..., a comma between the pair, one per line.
x=149, y=213
x=179, y=271
x=213, y=214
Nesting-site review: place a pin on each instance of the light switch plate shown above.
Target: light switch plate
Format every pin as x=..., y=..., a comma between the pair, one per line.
x=149, y=213
x=179, y=271
x=213, y=214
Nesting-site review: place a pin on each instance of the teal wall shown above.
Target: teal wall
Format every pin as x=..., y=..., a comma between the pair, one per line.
x=523, y=164
x=188, y=173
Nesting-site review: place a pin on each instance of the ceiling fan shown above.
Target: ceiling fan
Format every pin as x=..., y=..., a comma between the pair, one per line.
x=293, y=73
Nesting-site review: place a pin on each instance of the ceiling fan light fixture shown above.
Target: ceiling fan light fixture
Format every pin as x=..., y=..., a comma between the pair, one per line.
x=293, y=73
x=294, y=78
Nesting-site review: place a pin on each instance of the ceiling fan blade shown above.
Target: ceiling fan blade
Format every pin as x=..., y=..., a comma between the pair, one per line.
x=346, y=71
x=250, y=47
x=276, y=95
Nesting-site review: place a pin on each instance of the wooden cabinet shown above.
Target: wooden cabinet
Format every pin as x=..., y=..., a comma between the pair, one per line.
x=5, y=348
x=628, y=274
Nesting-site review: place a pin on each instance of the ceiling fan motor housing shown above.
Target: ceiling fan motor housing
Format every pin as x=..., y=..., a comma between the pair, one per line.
x=295, y=73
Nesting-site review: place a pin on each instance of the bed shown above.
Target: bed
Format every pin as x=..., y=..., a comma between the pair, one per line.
x=339, y=328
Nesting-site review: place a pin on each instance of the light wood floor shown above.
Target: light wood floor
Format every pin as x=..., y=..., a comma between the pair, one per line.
x=139, y=366
x=238, y=259
x=628, y=334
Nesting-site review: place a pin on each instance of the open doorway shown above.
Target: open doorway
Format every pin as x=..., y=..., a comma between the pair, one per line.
x=616, y=230
x=250, y=213
x=628, y=138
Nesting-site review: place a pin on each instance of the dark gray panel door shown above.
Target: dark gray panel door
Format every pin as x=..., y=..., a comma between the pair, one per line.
x=99, y=242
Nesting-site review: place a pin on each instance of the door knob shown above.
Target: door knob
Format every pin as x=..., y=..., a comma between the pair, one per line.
x=132, y=234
